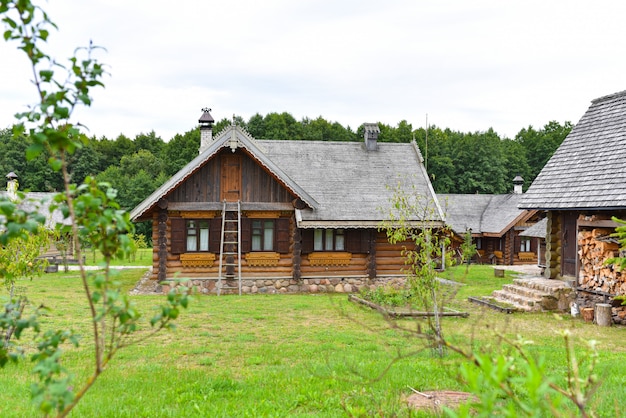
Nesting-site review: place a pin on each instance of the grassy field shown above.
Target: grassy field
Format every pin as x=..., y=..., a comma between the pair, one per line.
x=288, y=355
x=143, y=257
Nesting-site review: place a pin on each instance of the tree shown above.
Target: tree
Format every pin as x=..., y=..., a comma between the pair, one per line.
x=91, y=207
x=409, y=221
x=256, y=126
x=149, y=142
x=144, y=160
x=180, y=150
x=85, y=163
x=541, y=145
x=468, y=249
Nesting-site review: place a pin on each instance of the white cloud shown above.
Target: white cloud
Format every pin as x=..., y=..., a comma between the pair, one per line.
x=469, y=65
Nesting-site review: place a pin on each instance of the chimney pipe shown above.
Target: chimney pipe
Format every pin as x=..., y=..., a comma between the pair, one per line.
x=518, y=182
x=206, y=129
x=371, y=132
x=12, y=186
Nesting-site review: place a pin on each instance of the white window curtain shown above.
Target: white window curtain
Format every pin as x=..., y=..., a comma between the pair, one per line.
x=318, y=244
x=204, y=237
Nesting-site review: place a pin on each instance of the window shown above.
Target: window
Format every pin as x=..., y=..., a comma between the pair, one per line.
x=524, y=244
x=263, y=235
x=479, y=243
x=329, y=240
x=197, y=235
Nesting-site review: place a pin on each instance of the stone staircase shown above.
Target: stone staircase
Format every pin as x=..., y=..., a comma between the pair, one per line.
x=534, y=294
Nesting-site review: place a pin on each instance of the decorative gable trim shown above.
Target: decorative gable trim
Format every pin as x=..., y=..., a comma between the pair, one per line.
x=233, y=137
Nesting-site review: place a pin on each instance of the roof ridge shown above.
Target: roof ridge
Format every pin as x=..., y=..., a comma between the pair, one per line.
x=609, y=96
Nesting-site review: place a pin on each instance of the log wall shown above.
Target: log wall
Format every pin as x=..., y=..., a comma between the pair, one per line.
x=389, y=258
x=553, y=246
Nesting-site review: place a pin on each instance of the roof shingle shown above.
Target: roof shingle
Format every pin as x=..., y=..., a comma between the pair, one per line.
x=588, y=170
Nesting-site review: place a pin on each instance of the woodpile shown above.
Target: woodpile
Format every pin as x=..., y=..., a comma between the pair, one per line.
x=595, y=247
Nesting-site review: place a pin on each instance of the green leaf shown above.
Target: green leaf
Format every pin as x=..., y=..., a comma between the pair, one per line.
x=33, y=151
x=55, y=163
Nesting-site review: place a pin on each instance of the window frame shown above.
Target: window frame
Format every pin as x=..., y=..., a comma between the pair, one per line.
x=321, y=239
x=262, y=241
x=199, y=241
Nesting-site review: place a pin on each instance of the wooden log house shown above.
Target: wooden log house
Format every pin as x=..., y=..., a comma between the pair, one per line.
x=251, y=215
x=496, y=224
x=581, y=188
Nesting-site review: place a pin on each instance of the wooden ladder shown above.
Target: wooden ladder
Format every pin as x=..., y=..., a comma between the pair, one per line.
x=230, y=247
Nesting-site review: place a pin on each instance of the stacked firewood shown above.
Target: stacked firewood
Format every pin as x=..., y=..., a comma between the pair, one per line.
x=595, y=247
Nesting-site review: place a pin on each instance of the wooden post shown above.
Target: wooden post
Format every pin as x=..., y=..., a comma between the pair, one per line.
x=604, y=317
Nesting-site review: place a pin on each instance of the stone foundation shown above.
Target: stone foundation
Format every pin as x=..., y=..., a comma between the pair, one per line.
x=275, y=286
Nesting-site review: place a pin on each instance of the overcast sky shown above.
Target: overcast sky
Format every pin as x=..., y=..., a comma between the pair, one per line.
x=468, y=65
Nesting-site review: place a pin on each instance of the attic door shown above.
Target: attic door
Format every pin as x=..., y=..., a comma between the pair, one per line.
x=231, y=177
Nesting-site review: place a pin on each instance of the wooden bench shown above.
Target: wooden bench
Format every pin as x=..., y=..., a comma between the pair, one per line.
x=526, y=256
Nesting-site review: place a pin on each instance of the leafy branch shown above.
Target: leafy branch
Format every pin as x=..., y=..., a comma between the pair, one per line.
x=94, y=213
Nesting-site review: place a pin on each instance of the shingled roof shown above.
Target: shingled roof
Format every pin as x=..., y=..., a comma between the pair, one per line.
x=588, y=170
x=40, y=202
x=485, y=214
x=343, y=184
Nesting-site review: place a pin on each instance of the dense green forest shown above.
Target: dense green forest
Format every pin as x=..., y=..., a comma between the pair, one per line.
x=457, y=162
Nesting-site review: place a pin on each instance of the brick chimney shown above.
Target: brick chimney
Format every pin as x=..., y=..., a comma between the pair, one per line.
x=12, y=186
x=371, y=132
x=518, y=182
x=206, y=129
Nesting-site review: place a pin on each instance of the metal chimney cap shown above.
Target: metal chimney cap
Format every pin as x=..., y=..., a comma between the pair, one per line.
x=206, y=118
x=11, y=176
x=518, y=180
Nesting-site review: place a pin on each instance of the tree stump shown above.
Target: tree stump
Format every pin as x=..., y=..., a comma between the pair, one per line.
x=604, y=316
x=498, y=272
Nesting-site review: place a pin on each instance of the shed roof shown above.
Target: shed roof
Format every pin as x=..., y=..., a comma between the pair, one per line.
x=588, y=170
x=342, y=183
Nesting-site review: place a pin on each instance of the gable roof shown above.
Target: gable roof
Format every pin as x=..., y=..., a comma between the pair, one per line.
x=342, y=183
x=588, y=170
x=232, y=137
x=352, y=185
x=538, y=230
x=485, y=214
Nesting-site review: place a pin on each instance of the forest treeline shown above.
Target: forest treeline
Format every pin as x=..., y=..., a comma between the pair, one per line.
x=457, y=162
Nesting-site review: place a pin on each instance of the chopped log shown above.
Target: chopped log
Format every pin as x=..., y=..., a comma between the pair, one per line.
x=587, y=314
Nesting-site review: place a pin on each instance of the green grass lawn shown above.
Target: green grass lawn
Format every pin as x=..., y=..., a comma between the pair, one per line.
x=143, y=257
x=288, y=355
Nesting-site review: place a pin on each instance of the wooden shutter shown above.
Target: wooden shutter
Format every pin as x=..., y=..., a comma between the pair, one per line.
x=366, y=237
x=282, y=235
x=178, y=234
x=357, y=240
x=246, y=235
x=215, y=235
x=307, y=241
